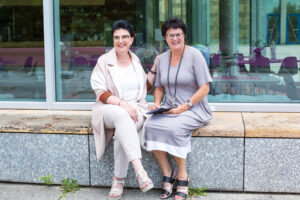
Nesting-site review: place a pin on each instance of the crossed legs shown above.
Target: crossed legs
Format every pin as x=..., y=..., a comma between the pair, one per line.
x=126, y=147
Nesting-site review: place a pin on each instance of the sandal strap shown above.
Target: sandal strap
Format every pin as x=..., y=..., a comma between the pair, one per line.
x=139, y=173
x=168, y=187
x=116, y=182
x=166, y=192
x=169, y=179
x=181, y=194
x=114, y=189
x=144, y=178
x=184, y=183
x=182, y=190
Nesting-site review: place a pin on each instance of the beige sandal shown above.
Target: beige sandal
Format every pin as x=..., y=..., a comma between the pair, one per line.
x=115, y=190
x=144, y=180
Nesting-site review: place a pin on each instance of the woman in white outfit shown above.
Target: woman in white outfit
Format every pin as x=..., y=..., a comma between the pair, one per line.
x=120, y=84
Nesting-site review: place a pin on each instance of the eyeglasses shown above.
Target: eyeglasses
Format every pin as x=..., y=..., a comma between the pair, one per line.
x=124, y=37
x=171, y=36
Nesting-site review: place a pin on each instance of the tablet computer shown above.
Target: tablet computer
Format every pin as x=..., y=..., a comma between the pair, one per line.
x=158, y=110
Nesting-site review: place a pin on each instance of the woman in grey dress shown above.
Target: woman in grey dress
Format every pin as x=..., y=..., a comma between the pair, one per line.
x=183, y=77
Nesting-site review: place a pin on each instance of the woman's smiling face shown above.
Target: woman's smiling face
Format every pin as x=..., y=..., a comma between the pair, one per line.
x=122, y=40
x=175, y=38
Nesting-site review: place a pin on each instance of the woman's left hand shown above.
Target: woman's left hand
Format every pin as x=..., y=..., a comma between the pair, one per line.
x=154, y=67
x=178, y=109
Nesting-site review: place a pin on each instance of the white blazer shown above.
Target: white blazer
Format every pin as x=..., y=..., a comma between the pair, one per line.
x=104, y=78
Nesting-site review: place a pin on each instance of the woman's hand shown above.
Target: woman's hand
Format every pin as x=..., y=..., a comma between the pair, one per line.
x=178, y=109
x=154, y=106
x=154, y=67
x=131, y=110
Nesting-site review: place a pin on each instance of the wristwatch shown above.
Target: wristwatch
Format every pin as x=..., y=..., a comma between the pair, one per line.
x=189, y=102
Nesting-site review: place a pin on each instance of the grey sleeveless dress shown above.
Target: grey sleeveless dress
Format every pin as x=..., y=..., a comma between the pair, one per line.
x=170, y=132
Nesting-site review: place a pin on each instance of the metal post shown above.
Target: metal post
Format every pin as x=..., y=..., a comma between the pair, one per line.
x=229, y=34
x=283, y=17
x=229, y=26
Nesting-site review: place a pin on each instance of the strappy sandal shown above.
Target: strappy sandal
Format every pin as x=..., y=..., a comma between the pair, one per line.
x=182, y=192
x=144, y=180
x=115, y=190
x=168, y=190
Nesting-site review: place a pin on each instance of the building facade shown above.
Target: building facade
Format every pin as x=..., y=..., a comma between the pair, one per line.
x=48, y=49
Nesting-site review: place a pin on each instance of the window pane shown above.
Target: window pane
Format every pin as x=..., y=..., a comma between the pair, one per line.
x=245, y=43
x=292, y=28
x=273, y=28
x=252, y=64
x=22, y=51
x=84, y=33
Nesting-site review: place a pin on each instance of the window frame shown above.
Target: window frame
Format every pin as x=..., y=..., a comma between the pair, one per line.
x=298, y=28
x=277, y=25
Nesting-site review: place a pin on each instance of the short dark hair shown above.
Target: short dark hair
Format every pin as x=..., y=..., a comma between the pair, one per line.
x=173, y=23
x=122, y=24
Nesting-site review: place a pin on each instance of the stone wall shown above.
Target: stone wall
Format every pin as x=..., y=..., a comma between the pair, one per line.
x=237, y=151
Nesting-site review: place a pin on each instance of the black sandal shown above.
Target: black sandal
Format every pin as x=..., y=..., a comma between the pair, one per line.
x=167, y=190
x=180, y=191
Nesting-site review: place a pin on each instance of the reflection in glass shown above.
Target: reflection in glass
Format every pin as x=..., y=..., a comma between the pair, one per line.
x=273, y=28
x=83, y=33
x=248, y=54
x=293, y=28
x=22, y=51
x=269, y=71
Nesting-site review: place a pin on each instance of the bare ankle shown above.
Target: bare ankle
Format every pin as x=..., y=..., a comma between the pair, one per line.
x=183, y=176
x=117, y=178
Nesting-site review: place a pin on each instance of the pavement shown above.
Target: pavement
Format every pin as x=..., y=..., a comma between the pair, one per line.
x=13, y=191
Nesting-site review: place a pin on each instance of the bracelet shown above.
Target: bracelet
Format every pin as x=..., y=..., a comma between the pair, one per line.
x=152, y=72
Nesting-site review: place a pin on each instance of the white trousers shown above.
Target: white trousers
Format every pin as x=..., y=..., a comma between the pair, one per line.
x=126, y=139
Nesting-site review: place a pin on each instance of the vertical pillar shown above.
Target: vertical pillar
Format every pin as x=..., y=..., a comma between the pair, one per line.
x=200, y=21
x=57, y=49
x=48, y=16
x=258, y=25
x=253, y=31
x=151, y=20
x=229, y=26
x=283, y=18
x=170, y=8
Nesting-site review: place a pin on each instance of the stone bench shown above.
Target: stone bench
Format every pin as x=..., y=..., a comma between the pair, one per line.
x=237, y=151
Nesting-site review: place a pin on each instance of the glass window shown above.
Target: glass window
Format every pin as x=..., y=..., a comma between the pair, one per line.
x=22, y=51
x=273, y=28
x=293, y=28
x=246, y=44
x=254, y=63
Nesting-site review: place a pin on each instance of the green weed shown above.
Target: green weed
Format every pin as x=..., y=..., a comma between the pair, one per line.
x=68, y=186
x=47, y=179
x=196, y=192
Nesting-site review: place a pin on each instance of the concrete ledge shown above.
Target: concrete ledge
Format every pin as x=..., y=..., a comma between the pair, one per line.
x=273, y=125
x=45, y=121
x=223, y=124
x=237, y=151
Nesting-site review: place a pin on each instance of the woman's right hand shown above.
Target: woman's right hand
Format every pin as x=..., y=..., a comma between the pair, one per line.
x=154, y=106
x=131, y=110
